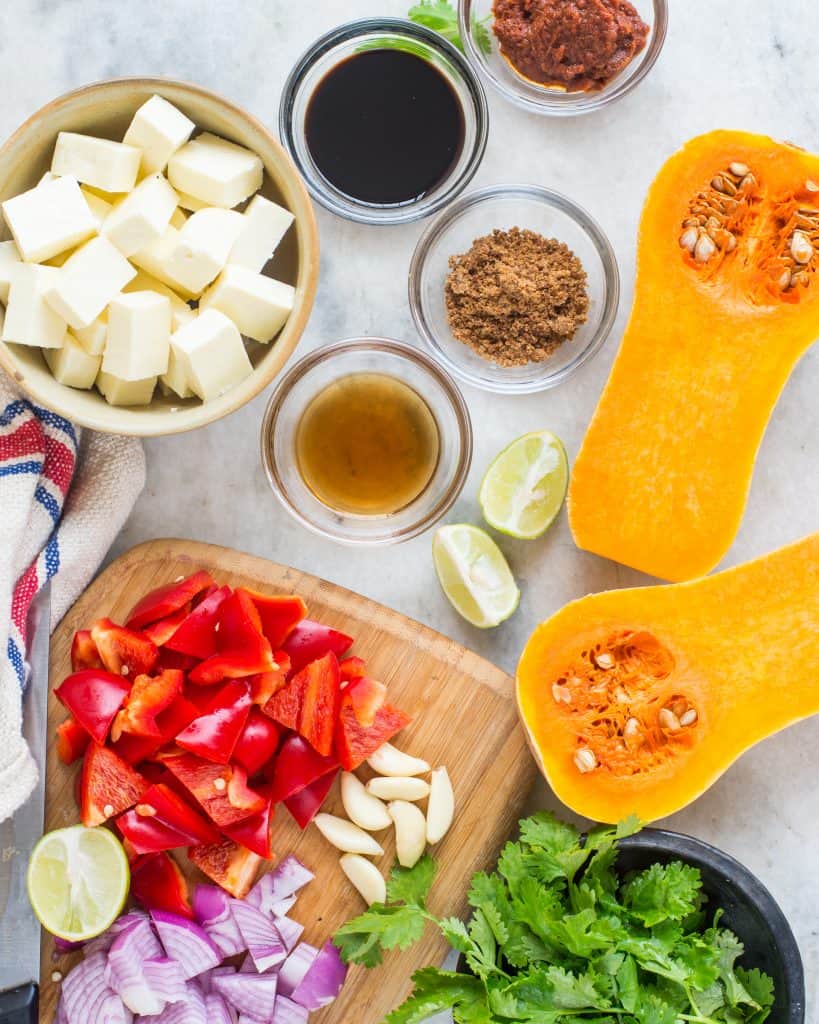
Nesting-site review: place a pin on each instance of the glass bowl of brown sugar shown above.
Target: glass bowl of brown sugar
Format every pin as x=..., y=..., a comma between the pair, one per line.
x=513, y=288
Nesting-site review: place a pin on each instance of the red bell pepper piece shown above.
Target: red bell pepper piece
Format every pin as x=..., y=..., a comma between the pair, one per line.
x=162, y=820
x=197, y=634
x=109, y=785
x=255, y=833
x=161, y=632
x=265, y=684
x=279, y=613
x=351, y=668
x=243, y=648
x=164, y=601
x=240, y=795
x=355, y=741
x=230, y=865
x=285, y=705
x=311, y=640
x=210, y=785
x=258, y=742
x=149, y=697
x=124, y=651
x=306, y=804
x=367, y=697
x=172, y=659
x=158, y=884
x=296, y=766
x=84, y=653
x=93, y=696
x=215, y=733
x=319, y=709
x=72, y=741
x=172, y=720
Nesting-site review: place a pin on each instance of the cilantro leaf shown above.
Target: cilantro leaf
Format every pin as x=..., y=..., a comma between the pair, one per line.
x=411, y=885
x=436, y=991
x=662, y=892
x=359, y=940
x=760, y=987
x=441, y=16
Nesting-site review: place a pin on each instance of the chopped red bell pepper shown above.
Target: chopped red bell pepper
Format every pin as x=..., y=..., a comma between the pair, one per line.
x=285, y=705
x=164, y=601
x=296, y=766
x=356, y=742
x=243, y=648
x=280, y=614
x=265, y=684
x=209, y=784
x=214, y=734
x=161, y=632
x=93, y=696
x=149, y=697
x=172, y=659
x=230, y=865
x=258, y=742
x=109, y=785
x=84, y=653
x=319, y=709
x=311, y=640
x=306, y=804
x=124, y=651
x=158, y=884
x=197, y=634
x=162, y=820
x=367, y=697
x=351, y=668
x=72, y=741
x=171, y=721
x=255, y=833
x=240, y=795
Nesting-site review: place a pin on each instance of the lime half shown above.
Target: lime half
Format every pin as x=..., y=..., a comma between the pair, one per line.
x=474, y=575
x=78, y=880
x=525, y=486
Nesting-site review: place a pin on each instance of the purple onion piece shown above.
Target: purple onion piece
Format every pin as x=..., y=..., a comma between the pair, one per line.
x=251, y=994
x=260, y=935
x=285, y=1011
x=290, y=931
x=295, y=967
x=280, y=883
x=323, y=981
x=217, y=1010
x=187, y=943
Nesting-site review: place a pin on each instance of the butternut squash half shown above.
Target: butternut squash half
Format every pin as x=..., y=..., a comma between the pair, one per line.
x=636, y=701
x=726, y=301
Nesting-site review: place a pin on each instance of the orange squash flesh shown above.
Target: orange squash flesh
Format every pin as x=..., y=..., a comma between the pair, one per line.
x=662, y=478
x=732, y=656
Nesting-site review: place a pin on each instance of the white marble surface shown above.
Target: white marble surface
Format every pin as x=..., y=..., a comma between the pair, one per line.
x=751, y=66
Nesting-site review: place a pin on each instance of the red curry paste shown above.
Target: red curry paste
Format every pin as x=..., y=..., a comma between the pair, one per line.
x=577, y=44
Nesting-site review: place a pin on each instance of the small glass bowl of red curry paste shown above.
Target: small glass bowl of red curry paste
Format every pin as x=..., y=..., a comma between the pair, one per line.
x=601, y=52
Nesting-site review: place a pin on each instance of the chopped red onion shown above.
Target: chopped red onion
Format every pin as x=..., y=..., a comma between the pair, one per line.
x=323, y=980
x=260, y=935
x=211, y=908
x=217, y=1009
x=285, y=1011
x=251, y=994
x=280, y=883
x=102, y=943
x=295, y=967
x=290, y=931
x=63, y=946
x=124, y=973
x=283, y=907
x=165, y=977
x=186, y=942
x=113, y=1011
x=206, y=980
x=190, y=1010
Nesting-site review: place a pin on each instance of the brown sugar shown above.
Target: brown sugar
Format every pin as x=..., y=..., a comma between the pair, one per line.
x=516, y=296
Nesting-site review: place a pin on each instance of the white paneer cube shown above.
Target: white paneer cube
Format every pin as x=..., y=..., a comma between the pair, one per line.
x=153, y=259
x=181, y=312
x=30, y=320
x=142, y=216
x=88, y=281
x=258, y=305
x=72, y=365
x=93, y=337
x=104, y=164
x=125, y=392
x=189, y=203
x=49, y=219
x=9, y=259
x=158, y=129
x=211, y=354
x=176, y=380
x=139, y=332
x=203, y=247
x=97, y=205
x=216, y=171
x=263, y=227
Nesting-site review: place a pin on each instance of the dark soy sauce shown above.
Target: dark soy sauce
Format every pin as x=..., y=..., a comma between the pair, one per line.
x=384, y=127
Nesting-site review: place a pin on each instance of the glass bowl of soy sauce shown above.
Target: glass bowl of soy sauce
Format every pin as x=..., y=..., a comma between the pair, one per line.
x=385, y=120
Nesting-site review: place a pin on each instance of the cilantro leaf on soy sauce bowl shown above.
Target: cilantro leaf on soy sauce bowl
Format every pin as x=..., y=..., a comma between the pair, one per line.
x=442, y=17
x=557, y=936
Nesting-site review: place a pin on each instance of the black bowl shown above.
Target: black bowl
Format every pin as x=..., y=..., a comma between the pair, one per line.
x=749, y=910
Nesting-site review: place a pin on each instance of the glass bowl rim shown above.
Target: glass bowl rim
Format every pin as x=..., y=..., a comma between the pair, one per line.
x=365, y=213
x=549, y=197
x=369, y=344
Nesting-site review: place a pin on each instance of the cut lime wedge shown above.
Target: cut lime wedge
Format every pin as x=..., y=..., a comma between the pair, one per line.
x=78, y=880
x=525, y=486
x=474, y=575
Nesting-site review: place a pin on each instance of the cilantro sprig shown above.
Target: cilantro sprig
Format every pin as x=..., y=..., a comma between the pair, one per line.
x=441, y=16
x=557, y=936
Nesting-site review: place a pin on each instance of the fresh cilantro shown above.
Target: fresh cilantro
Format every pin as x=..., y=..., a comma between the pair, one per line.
x=557, y=936
x=441, y=17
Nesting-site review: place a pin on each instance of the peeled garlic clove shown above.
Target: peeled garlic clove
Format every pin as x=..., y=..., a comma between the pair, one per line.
x=394, y=788
x=365, y=876
x=441, y=806
x=344, y=835
x=388, y=760
x=410, y=832
x=363, y=809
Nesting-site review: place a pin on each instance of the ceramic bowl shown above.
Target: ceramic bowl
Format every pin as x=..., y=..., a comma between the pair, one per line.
x=105, y=109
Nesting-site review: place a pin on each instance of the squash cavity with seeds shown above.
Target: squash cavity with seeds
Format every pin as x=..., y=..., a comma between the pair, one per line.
x=636, y=701
x=726, y=301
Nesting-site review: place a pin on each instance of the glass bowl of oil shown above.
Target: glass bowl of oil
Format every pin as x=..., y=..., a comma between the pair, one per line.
x=367, y=441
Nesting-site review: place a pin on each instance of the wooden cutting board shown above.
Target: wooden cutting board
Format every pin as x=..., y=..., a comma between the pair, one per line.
x=463, y=716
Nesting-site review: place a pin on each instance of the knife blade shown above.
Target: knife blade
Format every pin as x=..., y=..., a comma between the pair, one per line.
x=19, y=928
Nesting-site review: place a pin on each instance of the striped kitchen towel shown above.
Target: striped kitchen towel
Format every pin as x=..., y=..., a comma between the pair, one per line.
x=64, y=496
